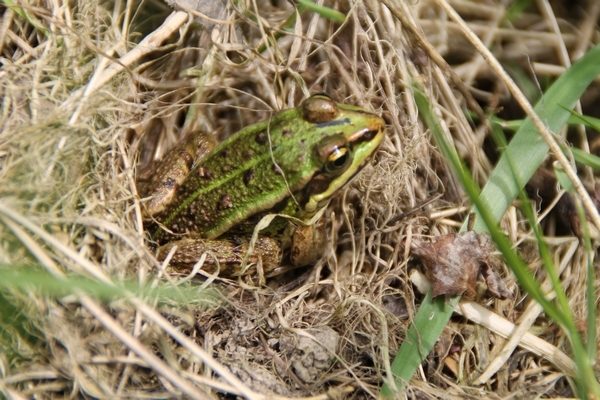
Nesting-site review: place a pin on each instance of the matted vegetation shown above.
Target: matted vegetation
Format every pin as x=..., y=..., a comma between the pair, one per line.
x=92, y=94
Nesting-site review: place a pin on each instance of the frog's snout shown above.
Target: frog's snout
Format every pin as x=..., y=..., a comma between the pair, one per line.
x=373, y=131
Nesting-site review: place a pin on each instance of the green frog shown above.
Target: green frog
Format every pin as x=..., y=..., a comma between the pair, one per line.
x=205, y=197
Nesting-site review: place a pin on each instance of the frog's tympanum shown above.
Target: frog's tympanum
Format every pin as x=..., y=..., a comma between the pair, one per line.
x=205, y=197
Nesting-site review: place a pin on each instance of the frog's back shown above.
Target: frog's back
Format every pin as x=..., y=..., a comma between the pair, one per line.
x=242, y=177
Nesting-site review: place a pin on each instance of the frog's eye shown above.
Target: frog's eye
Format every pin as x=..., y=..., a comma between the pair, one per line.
x=319, y=108
x=338, y=159
x=334, y=153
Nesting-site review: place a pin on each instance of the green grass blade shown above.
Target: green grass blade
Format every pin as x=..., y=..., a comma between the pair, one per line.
x=427, y=326
x=325, y=12
x=585, y=158
x=27, y=279
x=590, y=122
x=581, y=157
x=574, y=119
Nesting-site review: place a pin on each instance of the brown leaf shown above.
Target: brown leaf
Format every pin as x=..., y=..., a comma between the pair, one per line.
x=453, y=263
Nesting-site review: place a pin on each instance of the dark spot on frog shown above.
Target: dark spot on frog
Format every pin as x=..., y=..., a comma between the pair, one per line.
x=261, y=137
x=169, y=183
x=318, y=184
x=286, y=133
x=223, y=153
x=248, y=176
x=225, y=202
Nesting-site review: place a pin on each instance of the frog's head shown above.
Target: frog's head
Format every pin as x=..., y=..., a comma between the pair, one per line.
x=350, y=136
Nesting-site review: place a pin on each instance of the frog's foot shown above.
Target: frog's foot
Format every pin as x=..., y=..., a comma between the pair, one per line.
x=308, y=244
x=225, y=256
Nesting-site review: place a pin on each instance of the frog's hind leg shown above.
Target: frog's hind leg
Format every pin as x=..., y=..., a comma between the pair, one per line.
x=160, y=182
x=228, y=257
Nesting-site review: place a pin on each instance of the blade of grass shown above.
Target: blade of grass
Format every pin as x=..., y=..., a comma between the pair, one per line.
x=574, y=119
x=590, y=122
x=527, y=146
x=581, y=157
x=325, y=12
x=427, y=325
x=26, y=278
x=584, y=158
x=499, y=192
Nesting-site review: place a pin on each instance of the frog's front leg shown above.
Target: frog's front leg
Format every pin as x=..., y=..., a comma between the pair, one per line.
x=225, y=255
x=160, y=182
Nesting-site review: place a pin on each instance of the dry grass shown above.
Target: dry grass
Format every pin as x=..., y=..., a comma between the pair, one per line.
x=85, y=105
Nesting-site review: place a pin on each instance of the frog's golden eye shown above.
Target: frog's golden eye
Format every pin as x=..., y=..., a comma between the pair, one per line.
x=332, y=148
x=319, y=108
x=338, y=159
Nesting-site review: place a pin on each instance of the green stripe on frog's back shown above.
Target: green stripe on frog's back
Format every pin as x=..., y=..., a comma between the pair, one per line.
x=238, y=179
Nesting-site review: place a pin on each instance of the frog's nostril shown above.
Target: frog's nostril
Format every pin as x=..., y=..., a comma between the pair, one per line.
x=364, y=135
x=369, y=135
